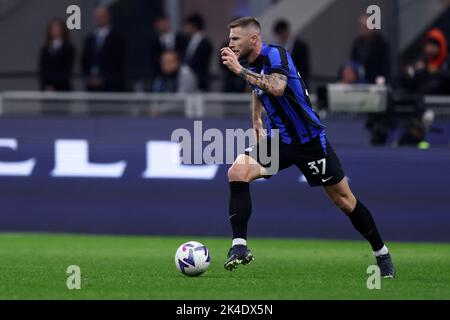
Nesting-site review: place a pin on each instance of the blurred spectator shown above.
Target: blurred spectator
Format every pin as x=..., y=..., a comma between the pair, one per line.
x=370, y=50
x=104, y=55
x=298, y=49
x=351, y=73
x=380, y=127
x=413, y=134
x=431, y=74
x=173, y=77
x=56, y=58
x=167, y=80
x=165, y=40
x=199, y=50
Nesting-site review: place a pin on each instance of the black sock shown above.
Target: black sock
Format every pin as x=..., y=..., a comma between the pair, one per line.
x=240, y=208
x=363, y=222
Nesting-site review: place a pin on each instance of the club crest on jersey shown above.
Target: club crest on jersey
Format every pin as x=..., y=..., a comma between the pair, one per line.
x=259, y=92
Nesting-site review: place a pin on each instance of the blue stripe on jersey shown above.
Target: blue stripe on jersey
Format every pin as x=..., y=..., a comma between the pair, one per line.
x=323, y=141
x=301, y=127
x=274, y=121
x=291, y=113
x=277, y=123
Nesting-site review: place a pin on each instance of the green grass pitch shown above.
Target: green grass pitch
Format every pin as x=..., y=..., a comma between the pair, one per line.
x=33, y=266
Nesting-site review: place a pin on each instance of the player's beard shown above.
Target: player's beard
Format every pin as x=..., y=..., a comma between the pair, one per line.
x=244, y=54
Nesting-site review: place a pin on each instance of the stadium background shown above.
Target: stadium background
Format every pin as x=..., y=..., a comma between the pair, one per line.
x=406, y=186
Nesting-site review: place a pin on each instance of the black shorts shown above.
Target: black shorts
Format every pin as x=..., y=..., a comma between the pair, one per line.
x=316, y=160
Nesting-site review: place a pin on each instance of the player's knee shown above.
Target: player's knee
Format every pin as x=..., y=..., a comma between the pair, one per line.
x=238, y=173
x=344, y=203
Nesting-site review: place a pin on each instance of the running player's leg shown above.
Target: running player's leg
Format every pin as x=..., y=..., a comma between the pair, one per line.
x=248, y=167
x=363, y=222
x=359, y=215
x=243, y=171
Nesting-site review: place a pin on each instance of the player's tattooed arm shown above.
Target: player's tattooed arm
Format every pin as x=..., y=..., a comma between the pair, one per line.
x=274, y=83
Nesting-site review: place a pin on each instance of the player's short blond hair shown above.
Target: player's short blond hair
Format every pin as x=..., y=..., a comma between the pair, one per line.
x=245, y=22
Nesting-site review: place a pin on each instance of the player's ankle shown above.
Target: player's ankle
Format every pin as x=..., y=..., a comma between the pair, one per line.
x=380, y=252
x=239, y=242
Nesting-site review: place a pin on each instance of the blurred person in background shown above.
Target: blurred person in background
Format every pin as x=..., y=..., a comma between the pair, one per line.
x=351, y=73
x=430, y=75
x=173, y=77
x=199, y=50
x=56, y=59
x=103, y=58
x=165, y=40
x=371, y=51
x=168, y=40
x=298, y=49
x=413, y=134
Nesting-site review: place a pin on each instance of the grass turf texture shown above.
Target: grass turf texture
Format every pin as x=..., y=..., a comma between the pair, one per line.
x=116, y=267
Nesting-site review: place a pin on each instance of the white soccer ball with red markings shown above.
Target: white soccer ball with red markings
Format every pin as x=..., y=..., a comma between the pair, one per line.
x=192, y=258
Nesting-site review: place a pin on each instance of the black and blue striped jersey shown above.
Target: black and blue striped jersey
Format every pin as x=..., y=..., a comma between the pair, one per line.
x=291, y=113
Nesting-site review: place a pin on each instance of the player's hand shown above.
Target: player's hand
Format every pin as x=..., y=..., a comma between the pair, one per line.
x=230, y=59
x=259, y=129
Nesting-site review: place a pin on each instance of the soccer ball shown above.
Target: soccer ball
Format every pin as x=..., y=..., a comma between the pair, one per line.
x=192, y=258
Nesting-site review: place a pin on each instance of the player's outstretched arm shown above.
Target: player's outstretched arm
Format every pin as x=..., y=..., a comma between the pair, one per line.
x=274, y=83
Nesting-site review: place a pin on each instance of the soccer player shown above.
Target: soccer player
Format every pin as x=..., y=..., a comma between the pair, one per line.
x=278, y=88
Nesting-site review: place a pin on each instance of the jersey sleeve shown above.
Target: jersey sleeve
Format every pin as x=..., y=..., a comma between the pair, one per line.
x=278, y=61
